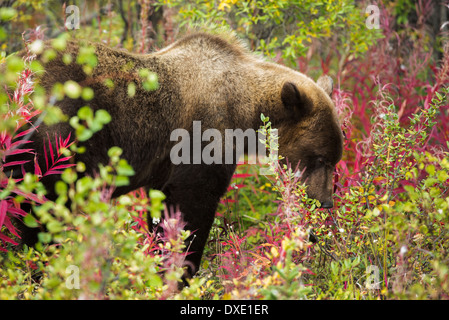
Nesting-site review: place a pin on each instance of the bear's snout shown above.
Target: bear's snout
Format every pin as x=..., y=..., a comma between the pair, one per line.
x=327, y=204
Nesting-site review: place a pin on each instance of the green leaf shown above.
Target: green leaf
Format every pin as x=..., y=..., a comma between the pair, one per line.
x=85, y=113
x=69, y=176
x=59, y=43
x=87, y=56
x=30, y=221
x=7, y=13
x=67, y=59
x=151, y=83
x=124, y=169
x=14, y=63
x=442, y=176
x=430, y=169
x=115, y=152
x=60, y=187
x=87, y=94
x=72, y=89
x=102, y=116
x=155, y=281
x=131, y=89
x=83, y=134
x=74, y=122
x=121, y=181
x=156, y=195
x=54, y=115
x=44, y=237
x=84, y=184
x=54, y=226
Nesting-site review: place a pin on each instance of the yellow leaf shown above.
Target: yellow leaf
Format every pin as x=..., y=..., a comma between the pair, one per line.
x=223, y=5
x=274, y=252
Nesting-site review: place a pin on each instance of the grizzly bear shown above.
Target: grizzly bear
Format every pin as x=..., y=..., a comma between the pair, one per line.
x=202, y=77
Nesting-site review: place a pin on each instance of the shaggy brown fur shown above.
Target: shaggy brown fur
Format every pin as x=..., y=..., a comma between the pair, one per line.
x=212, y=79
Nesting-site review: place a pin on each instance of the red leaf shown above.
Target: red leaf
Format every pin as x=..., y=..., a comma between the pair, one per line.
x=15, y=163
x=24, y=133
x=63, y=166
x=17, y=211
x=51, y=151
x=30, y=196
x=3, y=209
x=18, y=143
x=37, y=168
x=46, y=157
x=11, y=228
x=66, y=141
x=7, y=239
x=65, y=159
x=19, y=151
x=56, y=169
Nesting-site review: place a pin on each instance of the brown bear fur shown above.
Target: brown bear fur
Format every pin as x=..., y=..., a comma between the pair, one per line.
x=209, y=78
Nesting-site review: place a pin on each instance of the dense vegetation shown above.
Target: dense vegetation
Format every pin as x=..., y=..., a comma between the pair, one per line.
x=387, y=235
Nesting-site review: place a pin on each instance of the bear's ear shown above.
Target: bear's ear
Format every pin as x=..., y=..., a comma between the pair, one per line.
x=293, y=101
x=326, y=83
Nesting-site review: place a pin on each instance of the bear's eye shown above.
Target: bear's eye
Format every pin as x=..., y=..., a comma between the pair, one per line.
x=320, y=161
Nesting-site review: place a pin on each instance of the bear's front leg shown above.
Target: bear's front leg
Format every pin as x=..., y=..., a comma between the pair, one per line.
x=196, y=190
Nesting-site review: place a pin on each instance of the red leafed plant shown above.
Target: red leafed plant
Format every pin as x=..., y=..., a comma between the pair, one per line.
x=15, y=142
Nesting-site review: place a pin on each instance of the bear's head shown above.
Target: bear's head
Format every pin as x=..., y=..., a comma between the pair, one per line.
x=311, y=136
